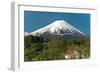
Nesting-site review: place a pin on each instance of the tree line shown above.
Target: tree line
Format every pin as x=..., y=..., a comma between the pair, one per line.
x=36, y=49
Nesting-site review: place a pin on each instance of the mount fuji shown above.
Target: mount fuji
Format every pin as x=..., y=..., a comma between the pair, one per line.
x=59, y=28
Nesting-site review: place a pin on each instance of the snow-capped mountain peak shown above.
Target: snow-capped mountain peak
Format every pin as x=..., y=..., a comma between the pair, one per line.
x=58, y=24
x=59, y=27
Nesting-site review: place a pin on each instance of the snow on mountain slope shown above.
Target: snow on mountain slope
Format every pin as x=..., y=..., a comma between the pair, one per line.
x=26, y=33
x=59, y=27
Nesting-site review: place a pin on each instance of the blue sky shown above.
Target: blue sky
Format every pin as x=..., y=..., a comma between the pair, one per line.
x=34, y=20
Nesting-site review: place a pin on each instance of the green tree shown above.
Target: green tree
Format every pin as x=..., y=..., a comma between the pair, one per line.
x=32, y=52
x=80, y=46
x=29, y=40
x=56, y=49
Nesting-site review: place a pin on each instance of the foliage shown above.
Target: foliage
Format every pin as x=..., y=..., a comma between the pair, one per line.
x=55, y=49
x=82, y=47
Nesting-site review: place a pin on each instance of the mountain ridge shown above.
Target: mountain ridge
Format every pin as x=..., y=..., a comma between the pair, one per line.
x=59, y=28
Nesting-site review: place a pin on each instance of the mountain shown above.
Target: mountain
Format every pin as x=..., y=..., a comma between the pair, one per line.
x=26, y=33
x=59, y=28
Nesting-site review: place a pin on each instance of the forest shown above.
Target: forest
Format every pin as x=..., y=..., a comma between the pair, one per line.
x=36, y=49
